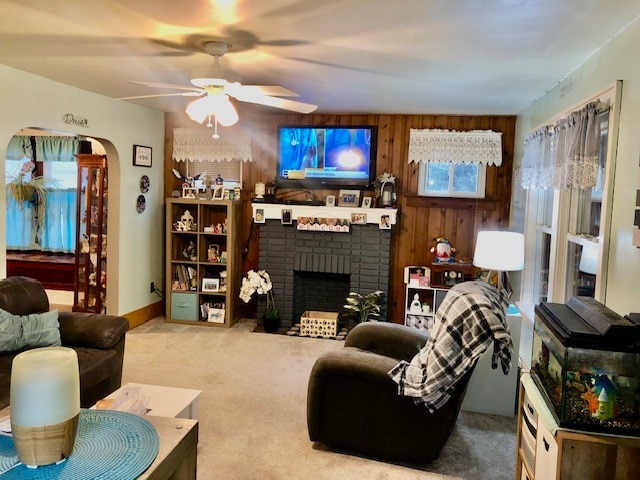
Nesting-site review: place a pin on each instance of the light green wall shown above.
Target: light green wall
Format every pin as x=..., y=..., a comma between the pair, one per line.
x=135, y=240
x=617, y=60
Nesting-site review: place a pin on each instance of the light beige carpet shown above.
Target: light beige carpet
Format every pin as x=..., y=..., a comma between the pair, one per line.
x=253, y=409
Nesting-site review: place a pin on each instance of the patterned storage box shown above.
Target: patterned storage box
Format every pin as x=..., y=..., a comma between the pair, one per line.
x=319, y=324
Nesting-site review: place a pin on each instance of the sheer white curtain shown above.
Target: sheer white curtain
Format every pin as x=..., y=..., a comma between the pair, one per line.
x=565, y=155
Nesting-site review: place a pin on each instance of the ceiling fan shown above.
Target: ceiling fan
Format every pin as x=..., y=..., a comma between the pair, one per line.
x=215, y=85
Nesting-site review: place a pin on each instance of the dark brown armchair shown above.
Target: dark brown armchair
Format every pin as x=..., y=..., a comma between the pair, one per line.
x=353, y=404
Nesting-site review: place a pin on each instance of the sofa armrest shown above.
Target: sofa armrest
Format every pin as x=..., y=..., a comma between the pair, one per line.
x=91, y=330
x=388, y=339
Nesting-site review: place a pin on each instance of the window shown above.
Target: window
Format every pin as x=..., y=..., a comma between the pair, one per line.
x=446, y=179
x=65, y=173
x=567, y=230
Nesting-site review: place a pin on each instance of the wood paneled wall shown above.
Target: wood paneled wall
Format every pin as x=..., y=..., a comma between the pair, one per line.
x=420, y=219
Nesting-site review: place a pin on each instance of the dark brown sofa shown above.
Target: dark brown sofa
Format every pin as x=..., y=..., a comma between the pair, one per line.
x=353, y=404
x=98, y=339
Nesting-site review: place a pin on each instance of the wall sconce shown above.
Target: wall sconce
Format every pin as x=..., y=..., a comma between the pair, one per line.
x=45, y=404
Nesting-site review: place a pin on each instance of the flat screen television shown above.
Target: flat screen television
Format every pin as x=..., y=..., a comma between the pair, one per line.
x=326, y=156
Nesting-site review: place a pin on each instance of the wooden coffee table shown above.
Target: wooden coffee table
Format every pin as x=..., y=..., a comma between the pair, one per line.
x=177, y=455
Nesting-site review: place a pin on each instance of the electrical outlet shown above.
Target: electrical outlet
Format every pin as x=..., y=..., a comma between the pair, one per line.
x=152, y=288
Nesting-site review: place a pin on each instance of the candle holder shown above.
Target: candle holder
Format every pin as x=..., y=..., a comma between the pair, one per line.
x=45, y=404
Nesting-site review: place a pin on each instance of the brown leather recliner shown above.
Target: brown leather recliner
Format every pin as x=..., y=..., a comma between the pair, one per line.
x=353, y=404
x=98, y=340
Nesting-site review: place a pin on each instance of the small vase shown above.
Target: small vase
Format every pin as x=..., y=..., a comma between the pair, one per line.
x=271, y=324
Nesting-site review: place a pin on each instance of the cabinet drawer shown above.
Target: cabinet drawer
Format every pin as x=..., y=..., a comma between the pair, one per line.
x=184, y=306
x=546, y=454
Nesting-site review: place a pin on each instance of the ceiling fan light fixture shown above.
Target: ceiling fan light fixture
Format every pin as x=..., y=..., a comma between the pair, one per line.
x=217, y=105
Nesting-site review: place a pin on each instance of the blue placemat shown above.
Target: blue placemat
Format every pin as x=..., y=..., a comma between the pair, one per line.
x=109, y=445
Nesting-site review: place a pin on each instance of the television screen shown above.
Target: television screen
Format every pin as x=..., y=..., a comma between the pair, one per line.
x=325, y=157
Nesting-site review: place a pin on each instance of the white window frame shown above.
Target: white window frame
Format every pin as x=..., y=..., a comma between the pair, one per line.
x=481, y=183
x=564, y=219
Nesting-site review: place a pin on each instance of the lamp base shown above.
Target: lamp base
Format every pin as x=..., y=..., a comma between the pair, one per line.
x=47, y=444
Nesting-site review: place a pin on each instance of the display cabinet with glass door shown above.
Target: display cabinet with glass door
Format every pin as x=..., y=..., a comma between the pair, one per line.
x=90, y=283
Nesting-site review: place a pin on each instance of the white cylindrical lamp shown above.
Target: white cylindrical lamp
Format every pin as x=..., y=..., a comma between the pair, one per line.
x=45, y=404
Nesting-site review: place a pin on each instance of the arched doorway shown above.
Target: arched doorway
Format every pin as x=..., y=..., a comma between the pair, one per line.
x=41, y=229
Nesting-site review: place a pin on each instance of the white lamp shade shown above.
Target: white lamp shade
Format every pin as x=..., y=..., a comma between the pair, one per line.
x=217, y=105
x=589, y=259
x=499, y=250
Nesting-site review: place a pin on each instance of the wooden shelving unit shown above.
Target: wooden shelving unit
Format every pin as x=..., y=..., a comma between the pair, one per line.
x=203, y=260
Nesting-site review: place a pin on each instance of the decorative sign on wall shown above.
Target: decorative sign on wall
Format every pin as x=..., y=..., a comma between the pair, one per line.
x=71, y=119
x=323, y=224
x=141, y=156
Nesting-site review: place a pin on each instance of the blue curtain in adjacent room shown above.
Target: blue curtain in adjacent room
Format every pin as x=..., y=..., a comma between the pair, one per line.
x=57, y=149
x=59, y=232
x=20, y=234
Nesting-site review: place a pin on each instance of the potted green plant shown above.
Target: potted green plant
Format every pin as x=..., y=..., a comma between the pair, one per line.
x=259, y=282
x=364, y=308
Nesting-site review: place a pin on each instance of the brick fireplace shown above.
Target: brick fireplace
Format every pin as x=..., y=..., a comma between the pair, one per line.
x=316, y=270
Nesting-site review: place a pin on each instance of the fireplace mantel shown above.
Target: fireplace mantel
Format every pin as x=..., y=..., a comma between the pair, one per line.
x=273, y=211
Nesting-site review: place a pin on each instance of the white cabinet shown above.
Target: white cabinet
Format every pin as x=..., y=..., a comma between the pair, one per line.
x=421, y=304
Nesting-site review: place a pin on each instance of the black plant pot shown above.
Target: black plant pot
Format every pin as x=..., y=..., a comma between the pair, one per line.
x=271, y=325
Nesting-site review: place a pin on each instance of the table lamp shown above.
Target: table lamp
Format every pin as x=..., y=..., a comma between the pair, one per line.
x=589, y=259
x=45, y=404
x=499, y=251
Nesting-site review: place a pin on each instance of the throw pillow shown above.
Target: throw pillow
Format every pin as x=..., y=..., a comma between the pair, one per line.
x=21, y=332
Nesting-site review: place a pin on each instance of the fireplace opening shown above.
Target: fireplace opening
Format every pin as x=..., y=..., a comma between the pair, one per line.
x=319, y=291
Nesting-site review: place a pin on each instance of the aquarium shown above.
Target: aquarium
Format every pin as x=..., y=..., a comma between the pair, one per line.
x=586, y=363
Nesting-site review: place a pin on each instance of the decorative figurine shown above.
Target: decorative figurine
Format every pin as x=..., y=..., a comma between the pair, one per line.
x=443, y=250
x=416, y=306
x=190, y=252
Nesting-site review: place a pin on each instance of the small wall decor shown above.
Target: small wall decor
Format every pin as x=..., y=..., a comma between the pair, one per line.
x=141, y=156
x=385, y=222
x=260, y=215
x=141, y=204
x=145, y=184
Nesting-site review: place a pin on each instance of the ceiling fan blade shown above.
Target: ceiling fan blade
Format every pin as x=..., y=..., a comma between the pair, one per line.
x=282, y=103
x=182, y=94
x=272, y=90
x=165, y=85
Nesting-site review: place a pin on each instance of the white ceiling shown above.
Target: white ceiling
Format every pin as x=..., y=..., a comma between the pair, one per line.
x=351, y=56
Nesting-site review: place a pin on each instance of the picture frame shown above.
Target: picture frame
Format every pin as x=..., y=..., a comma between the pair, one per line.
x=359, y=218
x=385, y=222
x=349, y=198
x=142, y=156
x=366, y=202
x=286, y=216
x=218, y=193
x=215, y=315
x=259, y=217
x=210, y=284
x=330, y=201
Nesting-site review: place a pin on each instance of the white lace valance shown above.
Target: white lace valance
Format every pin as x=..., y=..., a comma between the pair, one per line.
x=195, y=145
x=567, y=154
x=435, y=145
